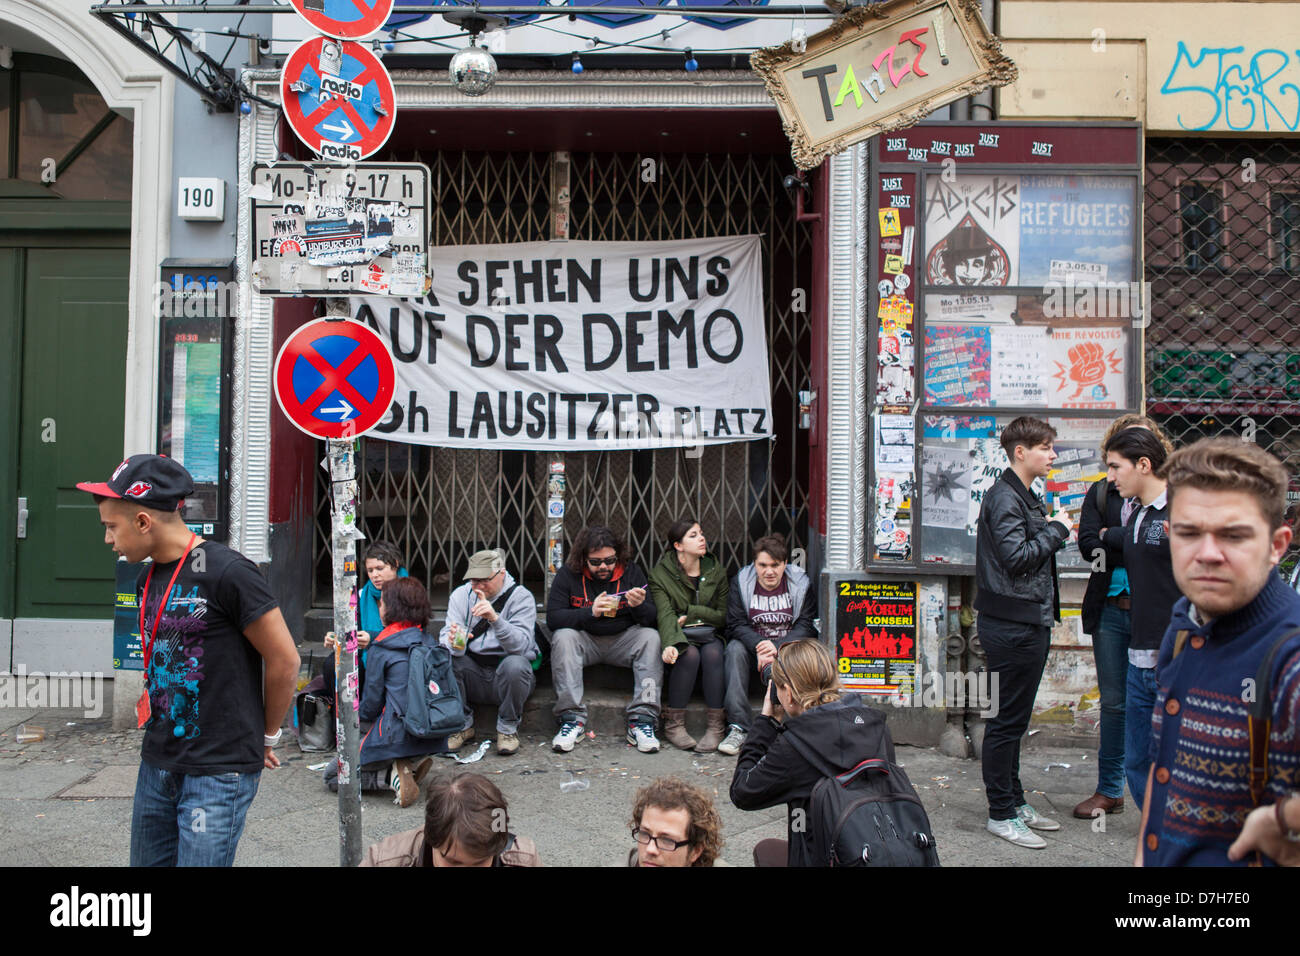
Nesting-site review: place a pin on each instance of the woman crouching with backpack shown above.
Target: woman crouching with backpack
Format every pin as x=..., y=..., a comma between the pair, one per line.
x=815, y=730
x=387, y=748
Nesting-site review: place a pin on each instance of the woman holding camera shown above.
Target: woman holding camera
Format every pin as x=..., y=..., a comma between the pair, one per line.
x=819, y=718
x=689, y=588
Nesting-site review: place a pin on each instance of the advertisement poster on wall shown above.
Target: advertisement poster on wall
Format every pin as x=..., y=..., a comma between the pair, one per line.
x=1076, y=227
x=876, y=636
x=972, y=230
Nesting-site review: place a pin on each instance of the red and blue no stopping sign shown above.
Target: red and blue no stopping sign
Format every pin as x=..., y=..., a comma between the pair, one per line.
x=345, y=19
x=338, y=98
x=334, y=379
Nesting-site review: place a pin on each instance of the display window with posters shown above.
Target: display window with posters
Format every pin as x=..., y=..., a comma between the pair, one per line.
x=1007, y=258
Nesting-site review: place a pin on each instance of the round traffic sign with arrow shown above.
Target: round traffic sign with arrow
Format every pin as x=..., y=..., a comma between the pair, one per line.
x=334, y=379
x=338, y=98
x=345, y=19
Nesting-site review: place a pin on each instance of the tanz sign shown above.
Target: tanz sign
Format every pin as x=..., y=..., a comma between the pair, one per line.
x=878, y=68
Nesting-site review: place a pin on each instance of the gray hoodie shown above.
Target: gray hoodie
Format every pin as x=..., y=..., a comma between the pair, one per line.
x=803, y=606
x=513, y=631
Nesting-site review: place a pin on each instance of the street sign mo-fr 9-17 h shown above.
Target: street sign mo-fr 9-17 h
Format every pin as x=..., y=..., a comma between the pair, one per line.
x=336, y=230
x=334, y=379
x=338, y=98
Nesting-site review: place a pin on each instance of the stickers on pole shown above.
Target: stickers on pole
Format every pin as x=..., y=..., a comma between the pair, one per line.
x=345, y=19
x=338, y=98
x=334, y=379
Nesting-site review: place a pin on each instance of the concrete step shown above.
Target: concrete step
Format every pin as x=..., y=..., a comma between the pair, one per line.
x=606, y=714
x=596, y=677
x=606, y=691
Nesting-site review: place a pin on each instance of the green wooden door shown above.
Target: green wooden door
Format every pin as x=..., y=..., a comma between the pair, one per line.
x=73, y=391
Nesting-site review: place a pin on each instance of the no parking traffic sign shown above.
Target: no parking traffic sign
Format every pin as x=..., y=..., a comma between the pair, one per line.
x=334, y=379
x=338, y=97
x=345, y=19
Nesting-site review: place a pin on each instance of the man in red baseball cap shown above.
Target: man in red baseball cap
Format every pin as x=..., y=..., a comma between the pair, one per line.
x=208, y=624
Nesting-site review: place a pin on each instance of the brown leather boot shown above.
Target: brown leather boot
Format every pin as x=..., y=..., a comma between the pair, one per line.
x=716, y=732
x=675, y=728
x=1097, y=804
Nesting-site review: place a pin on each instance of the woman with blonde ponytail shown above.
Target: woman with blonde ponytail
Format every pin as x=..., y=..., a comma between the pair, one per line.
x=805, y=711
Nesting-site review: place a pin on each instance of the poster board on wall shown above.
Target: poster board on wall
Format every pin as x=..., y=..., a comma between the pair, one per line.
x=1018, y=282
x=961, y=458
x=195, y=332
x=128, y=650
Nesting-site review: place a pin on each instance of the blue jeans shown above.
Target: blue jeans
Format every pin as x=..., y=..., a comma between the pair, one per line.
x=182, y=819
x=1137, y=729
x=742, y=670
x=1110, y=650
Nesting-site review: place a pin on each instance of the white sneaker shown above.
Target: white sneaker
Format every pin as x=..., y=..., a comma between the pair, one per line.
x=570, y=733
x=642, y=736
x=734, y=740
x=1034, y=820
x=1016, y=832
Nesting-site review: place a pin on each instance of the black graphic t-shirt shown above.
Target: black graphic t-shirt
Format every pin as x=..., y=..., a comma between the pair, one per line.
x=205, y=678
x=772, y=612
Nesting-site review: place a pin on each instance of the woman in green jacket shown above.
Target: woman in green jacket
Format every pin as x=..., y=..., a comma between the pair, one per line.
x=689, y=587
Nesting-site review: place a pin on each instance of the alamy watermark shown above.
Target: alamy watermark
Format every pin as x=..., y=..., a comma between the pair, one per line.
x=1089, y=299
x=202, y=297
x=75, y=909
x=954, y=689
x=66, y=690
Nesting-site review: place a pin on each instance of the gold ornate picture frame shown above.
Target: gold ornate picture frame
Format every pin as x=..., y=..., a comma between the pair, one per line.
x=879, y=68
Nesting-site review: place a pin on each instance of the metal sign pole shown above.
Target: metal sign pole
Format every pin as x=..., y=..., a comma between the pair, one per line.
x=343, y=536
x=360, y=134
x=342, y=462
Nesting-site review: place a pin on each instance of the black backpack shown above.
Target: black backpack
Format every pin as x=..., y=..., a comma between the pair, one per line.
x=866, y=816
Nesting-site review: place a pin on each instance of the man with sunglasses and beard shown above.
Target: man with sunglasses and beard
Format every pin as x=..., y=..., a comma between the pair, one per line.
x=600, y=612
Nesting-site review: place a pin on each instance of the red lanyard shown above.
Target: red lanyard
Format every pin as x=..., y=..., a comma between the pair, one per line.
x=144, y=599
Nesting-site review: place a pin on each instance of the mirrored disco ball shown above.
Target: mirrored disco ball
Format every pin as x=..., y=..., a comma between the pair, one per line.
x=473, y=71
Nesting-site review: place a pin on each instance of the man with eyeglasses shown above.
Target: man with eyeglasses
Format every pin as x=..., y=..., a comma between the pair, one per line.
x=599, y=612
x=490, y=631
x=675, y=824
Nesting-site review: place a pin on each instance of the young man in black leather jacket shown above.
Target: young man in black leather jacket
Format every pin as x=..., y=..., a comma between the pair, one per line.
x=1018, y=601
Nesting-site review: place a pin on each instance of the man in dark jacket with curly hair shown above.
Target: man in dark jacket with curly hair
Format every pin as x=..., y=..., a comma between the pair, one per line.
x=1018, y=601
x=600, y=612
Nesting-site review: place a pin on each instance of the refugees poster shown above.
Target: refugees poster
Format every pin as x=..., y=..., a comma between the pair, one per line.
x=1077, y=227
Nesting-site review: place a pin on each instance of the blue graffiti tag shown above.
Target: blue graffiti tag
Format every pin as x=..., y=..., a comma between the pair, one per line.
x=1233, y=85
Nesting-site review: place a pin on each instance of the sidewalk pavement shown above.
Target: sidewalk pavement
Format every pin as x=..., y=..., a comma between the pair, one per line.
x=67, y=801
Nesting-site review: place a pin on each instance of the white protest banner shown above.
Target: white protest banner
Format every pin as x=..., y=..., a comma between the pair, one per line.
x=581, y=345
